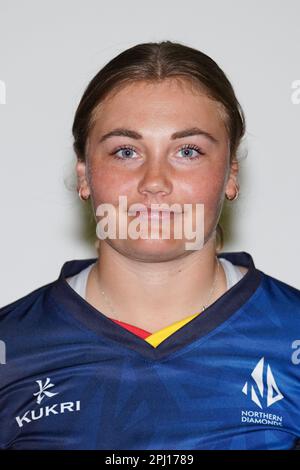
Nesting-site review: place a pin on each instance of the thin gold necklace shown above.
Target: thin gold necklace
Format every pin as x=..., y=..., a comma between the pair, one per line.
x=204, y=307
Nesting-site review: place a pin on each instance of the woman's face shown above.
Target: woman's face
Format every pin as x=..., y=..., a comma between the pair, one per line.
x=156, y=167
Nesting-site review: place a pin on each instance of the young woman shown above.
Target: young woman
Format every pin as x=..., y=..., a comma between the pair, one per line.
x=152, y=345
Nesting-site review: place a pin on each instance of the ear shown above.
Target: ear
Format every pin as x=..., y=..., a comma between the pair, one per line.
x=82, y=181
x=232, y=182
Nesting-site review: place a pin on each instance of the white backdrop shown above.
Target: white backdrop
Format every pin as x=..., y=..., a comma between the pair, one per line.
x=50, y=50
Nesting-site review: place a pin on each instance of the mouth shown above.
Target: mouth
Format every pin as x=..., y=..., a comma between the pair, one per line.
x=153, y=213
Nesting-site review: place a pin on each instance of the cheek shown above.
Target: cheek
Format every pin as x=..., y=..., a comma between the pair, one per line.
x=107, y=185
x=205, y=187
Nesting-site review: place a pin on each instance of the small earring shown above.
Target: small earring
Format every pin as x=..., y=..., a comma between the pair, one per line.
x=235, y=197
x=81, y=197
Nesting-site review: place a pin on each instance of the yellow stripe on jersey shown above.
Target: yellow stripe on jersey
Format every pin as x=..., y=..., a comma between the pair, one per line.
x=156, y=338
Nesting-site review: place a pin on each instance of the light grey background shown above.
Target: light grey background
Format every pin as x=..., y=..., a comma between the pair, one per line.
x=49, y=51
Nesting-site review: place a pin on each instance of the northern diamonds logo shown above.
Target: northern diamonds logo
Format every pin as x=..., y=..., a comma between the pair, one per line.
x=56, y=408
x=272, y=391
x=42, y=393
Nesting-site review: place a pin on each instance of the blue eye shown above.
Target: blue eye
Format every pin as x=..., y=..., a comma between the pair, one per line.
x=127, y=149
x=189, y=147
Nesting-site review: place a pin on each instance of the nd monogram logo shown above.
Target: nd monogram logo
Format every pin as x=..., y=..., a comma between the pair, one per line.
x=270, y=390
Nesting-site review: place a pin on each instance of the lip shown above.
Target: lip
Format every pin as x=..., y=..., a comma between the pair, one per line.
x=144, y=208
x=148, y=210
x=154, y=213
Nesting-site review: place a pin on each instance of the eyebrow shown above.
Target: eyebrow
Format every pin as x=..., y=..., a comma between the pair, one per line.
x=176, y=135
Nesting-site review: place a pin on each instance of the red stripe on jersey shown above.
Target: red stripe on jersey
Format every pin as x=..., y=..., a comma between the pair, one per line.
x=134, y=329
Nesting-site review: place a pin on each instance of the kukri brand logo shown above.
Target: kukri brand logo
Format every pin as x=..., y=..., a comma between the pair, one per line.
x=42, y=393
x=47, y=410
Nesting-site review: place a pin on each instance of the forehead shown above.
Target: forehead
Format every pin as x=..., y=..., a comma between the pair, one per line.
x=173, y=101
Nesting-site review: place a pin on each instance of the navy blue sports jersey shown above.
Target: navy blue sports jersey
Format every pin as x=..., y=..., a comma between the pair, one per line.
x=228, y=379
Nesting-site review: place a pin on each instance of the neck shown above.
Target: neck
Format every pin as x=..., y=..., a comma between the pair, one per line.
x=154, y=295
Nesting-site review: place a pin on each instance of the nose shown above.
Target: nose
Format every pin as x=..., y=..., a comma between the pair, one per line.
x=156, y=179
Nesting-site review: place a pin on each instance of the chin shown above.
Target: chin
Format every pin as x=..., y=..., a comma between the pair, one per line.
x=152, y=250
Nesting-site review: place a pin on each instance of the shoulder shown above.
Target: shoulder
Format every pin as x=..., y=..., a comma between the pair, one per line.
x=279, y=297
x=29, y=308
x=23, y=306
x=281, y=288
